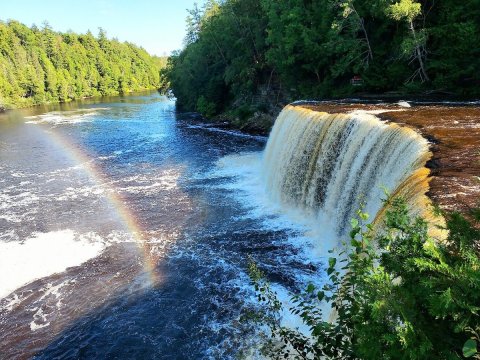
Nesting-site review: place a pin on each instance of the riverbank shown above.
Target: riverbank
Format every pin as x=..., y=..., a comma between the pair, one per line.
x=97, y=98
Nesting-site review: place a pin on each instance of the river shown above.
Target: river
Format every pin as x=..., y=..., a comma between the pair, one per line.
x=125, y=231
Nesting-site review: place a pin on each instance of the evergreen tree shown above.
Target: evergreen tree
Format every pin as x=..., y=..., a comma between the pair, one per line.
x=251, y=54
x=43, y=66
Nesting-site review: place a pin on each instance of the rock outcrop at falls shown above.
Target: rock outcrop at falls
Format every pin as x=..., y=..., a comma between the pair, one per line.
x=327, y=164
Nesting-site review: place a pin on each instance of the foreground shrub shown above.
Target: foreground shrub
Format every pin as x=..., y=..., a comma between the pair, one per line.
x=395, y=295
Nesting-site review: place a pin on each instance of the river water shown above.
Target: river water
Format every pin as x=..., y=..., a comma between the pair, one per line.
x=125, y=232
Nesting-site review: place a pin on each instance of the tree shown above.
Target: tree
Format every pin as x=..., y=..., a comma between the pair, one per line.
x=247, y=56
x=409, y=10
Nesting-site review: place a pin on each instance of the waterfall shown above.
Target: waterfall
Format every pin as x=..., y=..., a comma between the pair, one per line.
x=327, y=164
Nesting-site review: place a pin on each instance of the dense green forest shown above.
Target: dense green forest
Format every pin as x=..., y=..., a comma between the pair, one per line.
x=248, y=55
x=43, y=66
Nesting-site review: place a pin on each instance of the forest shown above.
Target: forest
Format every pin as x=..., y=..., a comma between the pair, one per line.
x=253, y=56
x=39, y=65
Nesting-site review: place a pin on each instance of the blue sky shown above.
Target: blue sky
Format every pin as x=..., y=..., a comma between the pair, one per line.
x=156, y=25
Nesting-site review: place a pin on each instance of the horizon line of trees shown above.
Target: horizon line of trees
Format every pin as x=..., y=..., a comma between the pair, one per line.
x=252, y=53
x=40, y=65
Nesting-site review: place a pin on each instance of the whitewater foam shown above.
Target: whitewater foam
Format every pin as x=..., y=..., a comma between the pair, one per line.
x=327, y=164
x=50, y=292
x=248, y=188
x=212, y=128
x=42, y=255
x=65, y=117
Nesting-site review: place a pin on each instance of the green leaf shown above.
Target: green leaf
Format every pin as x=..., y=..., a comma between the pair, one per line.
x=354, y=223
x=317, y=330
x=364, y=216
x=354, y=233
x=331, y=265
x=355, y=243
x=310, y=288
x=469, y=348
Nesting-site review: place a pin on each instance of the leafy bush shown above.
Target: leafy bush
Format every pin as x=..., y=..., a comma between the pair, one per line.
x=396, y=295
x=205, y=107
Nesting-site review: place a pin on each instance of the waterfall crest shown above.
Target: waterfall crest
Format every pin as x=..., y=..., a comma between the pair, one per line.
x=326, y=164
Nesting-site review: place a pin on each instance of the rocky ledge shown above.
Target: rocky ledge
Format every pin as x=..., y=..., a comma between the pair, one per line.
x=453, y=131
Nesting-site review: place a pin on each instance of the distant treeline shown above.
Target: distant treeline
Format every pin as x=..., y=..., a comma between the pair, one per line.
x=39, y=65
x=248, y=54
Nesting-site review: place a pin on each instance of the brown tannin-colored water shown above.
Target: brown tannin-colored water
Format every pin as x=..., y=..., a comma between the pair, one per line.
x=454, y=134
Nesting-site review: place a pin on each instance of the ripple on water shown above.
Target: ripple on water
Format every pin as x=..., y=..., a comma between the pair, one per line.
x=195, y=195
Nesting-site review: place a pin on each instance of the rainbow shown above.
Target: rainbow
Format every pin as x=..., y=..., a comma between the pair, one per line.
x=126, y=217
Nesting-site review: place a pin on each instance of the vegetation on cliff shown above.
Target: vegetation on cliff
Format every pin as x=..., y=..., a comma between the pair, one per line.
x=43, y=66
x=250, y=55
x=398, y=295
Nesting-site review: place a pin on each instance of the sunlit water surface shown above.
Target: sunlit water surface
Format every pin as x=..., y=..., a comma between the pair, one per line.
x=125, y=232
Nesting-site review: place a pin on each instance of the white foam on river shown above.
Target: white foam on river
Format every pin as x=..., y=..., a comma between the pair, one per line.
x=64, y=117
x=42, y=255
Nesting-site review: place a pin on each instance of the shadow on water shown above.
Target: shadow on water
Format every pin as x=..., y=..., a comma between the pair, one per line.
x=165, y=322
x=154, y=324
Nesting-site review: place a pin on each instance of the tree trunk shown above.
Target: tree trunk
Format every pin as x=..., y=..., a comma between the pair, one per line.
x=362, y=24
x=418, y=53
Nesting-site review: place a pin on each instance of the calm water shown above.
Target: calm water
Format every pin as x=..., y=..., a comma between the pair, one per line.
x=125, y=231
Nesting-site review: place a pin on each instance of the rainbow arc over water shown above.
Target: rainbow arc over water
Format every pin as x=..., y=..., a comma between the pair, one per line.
x=125, y=215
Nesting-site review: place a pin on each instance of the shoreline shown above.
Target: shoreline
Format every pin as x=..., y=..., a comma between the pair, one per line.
x=4, y=109
x=260, y=123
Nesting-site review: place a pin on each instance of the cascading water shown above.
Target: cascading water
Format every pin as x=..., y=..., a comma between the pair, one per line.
x=327, y=164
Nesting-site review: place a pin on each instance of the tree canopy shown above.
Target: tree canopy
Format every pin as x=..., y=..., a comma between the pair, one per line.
x=249, y=53
x=39, y=65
